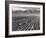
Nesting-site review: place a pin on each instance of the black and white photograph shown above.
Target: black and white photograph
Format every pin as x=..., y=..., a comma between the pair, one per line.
x=25, y=18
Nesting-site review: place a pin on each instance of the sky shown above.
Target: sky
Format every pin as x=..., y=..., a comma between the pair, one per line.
x=24, y=8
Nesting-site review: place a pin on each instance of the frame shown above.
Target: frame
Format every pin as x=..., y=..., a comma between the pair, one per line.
x=16, y=9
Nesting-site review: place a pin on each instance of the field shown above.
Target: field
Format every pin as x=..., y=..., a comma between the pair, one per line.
x=25, y=23
x=25, y=19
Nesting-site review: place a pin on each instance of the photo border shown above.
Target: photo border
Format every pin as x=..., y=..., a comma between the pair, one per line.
x=7, y=18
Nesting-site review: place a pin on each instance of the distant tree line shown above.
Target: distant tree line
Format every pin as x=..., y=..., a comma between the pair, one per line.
x=26, y=11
